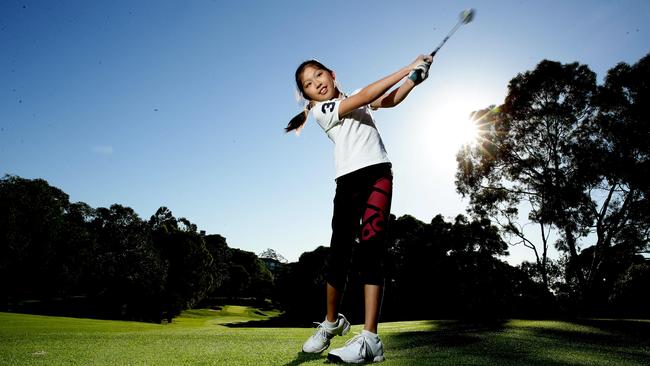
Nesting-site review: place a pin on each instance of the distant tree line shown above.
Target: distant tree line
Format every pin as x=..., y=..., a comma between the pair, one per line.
x=562, y=153
x=70, y=258
x=436, y=270
x=63, y=257
x=67, y=258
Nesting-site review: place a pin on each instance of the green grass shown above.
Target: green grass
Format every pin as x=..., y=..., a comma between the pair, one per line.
x=208, y=337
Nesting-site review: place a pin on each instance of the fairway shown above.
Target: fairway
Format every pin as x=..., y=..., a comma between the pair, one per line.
x=209, y=337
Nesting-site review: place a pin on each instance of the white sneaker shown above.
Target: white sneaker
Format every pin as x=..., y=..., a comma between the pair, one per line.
x=363, y=347
x=320, y=340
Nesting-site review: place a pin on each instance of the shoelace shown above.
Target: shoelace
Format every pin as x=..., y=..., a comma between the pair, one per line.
x=359, y=339
x=320, y=331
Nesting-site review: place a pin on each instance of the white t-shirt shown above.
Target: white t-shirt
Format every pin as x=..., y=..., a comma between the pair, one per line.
x=357, y=143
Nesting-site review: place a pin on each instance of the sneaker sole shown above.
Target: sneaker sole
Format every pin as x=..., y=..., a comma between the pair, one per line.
x=315, y=352
x=337, y=359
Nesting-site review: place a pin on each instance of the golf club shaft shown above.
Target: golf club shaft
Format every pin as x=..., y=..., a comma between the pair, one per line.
x=453, y=30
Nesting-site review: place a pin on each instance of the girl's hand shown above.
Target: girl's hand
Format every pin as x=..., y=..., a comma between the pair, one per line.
x=420, y=72
x=422, y=59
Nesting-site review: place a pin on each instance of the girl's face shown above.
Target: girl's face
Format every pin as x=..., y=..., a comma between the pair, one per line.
x=318, y=84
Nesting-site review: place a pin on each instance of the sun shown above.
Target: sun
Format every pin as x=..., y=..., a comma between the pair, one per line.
x=453, y=124
x=442, y=125
x=462, y=129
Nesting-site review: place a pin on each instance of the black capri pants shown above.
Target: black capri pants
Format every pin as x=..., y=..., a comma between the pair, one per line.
x=361, y=210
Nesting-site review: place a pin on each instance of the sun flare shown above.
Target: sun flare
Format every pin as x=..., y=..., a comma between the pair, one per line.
x=453, y=124
x=443, y=124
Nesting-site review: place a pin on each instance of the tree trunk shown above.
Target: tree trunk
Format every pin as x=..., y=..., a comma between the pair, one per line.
x=574, y=265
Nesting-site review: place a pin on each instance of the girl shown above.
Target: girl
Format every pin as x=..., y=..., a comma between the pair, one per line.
x=364, y=184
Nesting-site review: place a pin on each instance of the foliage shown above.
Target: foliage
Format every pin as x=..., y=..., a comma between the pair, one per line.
x=189, y=263
x=575, y=156
x=272, y=254
x=62, y=257
x=33, y=226
x=441, y=269
x=457, y=264
x=300, y=287
x=125, y=274
x=630, y=294
x=248, y=276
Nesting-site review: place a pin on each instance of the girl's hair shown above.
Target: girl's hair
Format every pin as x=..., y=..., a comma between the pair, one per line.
x=299, y=120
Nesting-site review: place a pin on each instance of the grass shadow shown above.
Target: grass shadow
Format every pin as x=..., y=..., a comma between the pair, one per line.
x=280, y=321
x=506, y=342
x=446, y=333
x=451, y=342
x=302, y=357
x=601, y=332
x=634, y=328
x=587, y=341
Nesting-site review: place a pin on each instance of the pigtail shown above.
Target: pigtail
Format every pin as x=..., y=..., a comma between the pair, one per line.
x=297, y=122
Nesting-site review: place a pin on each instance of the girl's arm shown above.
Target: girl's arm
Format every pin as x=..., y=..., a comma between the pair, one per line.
x=375, y=90
x=398, y=95
x=395, y=97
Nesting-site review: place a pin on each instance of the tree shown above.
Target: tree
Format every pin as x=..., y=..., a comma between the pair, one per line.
x=455, y=265
x=218, y=248
x=106, y=262
x=630, y=292
x=126, y=275
x=248, y=276
x=618, y=138
x=300, y=287
x=526, y=157
x=74, y=252
x=190, y=272
x=32, y=224
x=555, y=145
x=272, y=254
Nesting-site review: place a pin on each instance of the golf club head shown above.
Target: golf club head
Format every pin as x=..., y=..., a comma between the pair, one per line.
x=467, y=15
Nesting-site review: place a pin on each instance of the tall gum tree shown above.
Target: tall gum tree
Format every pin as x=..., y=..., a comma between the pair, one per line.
x=574, y=154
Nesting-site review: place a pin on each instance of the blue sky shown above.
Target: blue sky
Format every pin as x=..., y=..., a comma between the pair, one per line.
x=182, y=103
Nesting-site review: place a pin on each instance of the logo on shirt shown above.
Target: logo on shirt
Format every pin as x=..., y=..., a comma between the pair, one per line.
x=329, y=105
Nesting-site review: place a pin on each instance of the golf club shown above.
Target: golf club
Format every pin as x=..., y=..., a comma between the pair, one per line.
x=465, y=16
